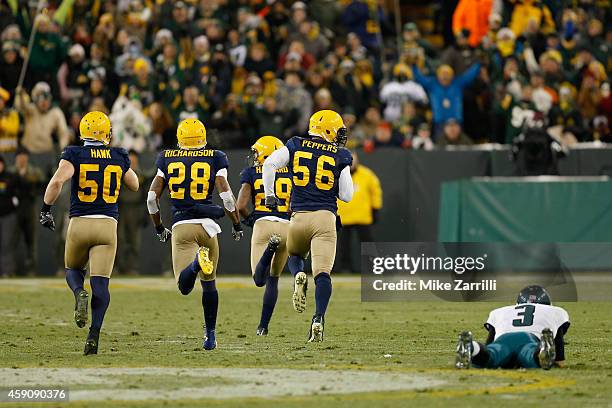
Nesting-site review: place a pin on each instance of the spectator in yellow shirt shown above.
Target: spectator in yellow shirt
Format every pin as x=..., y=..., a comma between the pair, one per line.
x=360, y=213
x=9, y=124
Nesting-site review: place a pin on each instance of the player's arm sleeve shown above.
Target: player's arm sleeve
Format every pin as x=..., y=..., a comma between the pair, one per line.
x=127, y=162
x=560, y=343
x=161, y=166
x=245, y=177
x=491, y=335
x=277, y=160
x=345, y=185
x=68, y=155
x=490, y=326
x=221, y=164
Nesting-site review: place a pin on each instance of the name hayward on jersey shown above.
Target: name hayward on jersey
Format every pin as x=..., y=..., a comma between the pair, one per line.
x=95, y=186
x=527, y=317
x=316, y=167
x=190, y=176
x=282, y=188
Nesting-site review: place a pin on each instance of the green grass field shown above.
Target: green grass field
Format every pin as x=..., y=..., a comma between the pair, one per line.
x=374, y=354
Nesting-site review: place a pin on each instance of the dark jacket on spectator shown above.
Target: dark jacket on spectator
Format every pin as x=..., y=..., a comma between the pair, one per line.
x=8, y=191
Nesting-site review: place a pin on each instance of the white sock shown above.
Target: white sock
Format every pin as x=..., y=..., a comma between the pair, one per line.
x=475, y=348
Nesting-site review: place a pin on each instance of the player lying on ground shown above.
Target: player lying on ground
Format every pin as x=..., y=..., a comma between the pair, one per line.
x=96, y=171
x=321, y=173
x=269, y=240
x=528, y=335
x=191, y=173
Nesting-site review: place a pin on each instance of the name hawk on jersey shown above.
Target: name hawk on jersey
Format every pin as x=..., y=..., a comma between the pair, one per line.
x=100, y=154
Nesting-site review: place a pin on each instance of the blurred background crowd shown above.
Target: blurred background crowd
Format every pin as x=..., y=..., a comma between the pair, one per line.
x=404, y=74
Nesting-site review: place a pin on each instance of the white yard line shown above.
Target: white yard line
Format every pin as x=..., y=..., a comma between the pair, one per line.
x=225, y=383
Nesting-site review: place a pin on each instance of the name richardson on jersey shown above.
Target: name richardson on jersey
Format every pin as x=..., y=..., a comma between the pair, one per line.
x=326, y=147
x=458, y=285
x=189, y=153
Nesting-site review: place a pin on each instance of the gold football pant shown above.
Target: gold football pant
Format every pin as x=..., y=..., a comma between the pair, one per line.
x=186, y=239
x=313, y=231
x=93, y=240
x=259, y=241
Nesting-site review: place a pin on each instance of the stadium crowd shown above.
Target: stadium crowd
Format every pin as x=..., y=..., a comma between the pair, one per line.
x=248, y=68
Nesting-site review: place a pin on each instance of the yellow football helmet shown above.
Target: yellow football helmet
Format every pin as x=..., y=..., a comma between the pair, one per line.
x=191, y=134
x=96, y=125
x=402, y=69
x=263, y=147
x=328, y=125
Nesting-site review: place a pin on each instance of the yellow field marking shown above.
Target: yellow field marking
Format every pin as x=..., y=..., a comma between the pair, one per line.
x=539, y=382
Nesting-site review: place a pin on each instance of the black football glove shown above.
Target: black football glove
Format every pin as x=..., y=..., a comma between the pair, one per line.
x=237, y=232
x=163, y=233
x=46, y=217
x=272, y=202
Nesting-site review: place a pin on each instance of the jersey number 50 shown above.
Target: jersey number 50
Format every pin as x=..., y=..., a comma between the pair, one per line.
x=88, y=189
x=324, y=178
x=200, y=176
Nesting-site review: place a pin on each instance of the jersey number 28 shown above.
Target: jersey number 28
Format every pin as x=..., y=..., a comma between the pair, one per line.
x=200, y=176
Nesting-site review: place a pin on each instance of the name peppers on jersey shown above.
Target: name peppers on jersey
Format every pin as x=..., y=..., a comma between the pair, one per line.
x=95, y=186
x=316, y=166
x=190, y=176
x=282, y=188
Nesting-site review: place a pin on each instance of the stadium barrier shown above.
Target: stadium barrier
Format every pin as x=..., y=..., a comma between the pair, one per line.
x=411, y=182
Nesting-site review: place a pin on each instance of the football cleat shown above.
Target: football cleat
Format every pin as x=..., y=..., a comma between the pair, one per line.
x=547, y=354
x=300, y=287
x=205, y=263
x=91, y=345
x=274, y=242
x=80, y=308
x=262, y=331
x=464, y=350
x=210, y=340
x=316, y=329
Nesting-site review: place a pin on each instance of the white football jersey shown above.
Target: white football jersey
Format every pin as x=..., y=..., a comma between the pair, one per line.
x=527, y=317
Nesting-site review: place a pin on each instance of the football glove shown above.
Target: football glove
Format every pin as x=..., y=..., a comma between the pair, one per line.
x=272, y=202
x=163, y=233
x=46, y=217
x=237, y=232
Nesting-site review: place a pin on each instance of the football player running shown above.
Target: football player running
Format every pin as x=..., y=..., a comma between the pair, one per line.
x=96, y=172
x=321, y=173
x=191, y=173
x=528, y=335
x=269, y=240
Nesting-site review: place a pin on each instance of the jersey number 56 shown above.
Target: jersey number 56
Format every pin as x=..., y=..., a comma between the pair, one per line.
x=324, y=178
